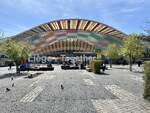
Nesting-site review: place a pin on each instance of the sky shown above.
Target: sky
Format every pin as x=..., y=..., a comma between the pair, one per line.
x=128, y=16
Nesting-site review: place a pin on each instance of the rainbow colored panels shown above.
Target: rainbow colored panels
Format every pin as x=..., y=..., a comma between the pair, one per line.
x=73, y=25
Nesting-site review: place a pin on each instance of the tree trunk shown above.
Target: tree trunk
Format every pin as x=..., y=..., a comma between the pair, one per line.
x=110, y=62
x=17, y=68
x=130, y=62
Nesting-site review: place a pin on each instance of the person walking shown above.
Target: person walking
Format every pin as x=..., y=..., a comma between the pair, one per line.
x=12, y=80
x=62, y=87
x=139, y=63
x=123, y=63
x=10, y=65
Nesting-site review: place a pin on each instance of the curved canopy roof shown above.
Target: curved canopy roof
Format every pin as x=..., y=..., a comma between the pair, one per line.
x=66, y=45
x=73, y=25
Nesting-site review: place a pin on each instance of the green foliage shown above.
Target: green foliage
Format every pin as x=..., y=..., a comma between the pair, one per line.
x=25, y=50
x=1, y=35
x=15, y=50
x=1, y=40
x=132, y=46
x=147, y=80
x=113, y=51
x=98, y=50
x=95, y=66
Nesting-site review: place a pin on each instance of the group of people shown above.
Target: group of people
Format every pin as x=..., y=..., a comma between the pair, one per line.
x=138, y=62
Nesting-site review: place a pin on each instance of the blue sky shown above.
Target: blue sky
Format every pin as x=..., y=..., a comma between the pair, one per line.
x=126, y=15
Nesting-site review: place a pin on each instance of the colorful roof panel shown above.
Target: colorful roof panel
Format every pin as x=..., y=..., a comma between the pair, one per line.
x=64, y=45
x=74, y=25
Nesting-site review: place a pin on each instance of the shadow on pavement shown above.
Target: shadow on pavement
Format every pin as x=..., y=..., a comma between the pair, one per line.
x=101, y=74
x=8, y=75
x=126, y=68
x=30, y=76
x=137, y=71
x=121, y=68
x=104, y=74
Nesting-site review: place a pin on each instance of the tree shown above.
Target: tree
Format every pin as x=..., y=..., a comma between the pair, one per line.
x=98, y=53
x=1, y=35
x=132, y=48
x=16, y=51
x=113, y=52
x=147, y=28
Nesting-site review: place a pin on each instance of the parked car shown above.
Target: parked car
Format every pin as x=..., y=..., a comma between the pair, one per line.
x=37, y=67
x=68, y=65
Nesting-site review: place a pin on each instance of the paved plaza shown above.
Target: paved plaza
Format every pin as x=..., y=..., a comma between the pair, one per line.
x=116, y=91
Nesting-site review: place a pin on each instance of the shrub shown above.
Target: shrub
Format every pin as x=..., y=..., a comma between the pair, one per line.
x=90, y=65
x=147, y=80
x=95, y=66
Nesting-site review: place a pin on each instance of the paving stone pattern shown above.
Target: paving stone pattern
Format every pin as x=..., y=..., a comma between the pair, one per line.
x=116, y=91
